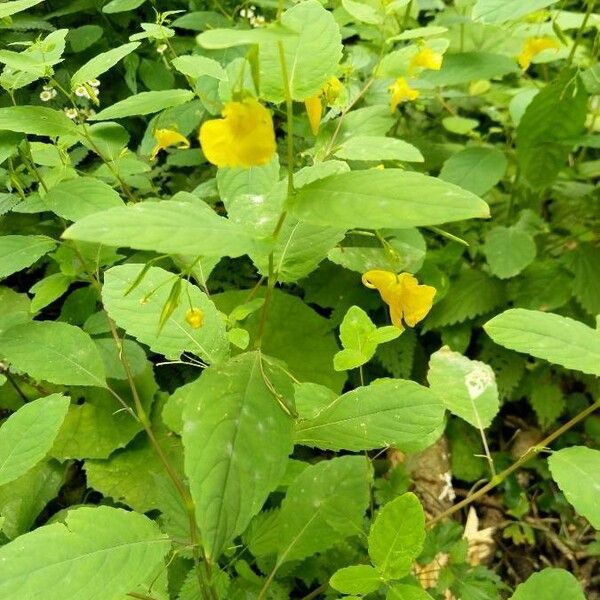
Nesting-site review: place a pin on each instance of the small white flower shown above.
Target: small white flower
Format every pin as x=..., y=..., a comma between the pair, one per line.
x=81, y=92
x=47, y=95
x=72, y=113
x=257, y=21
x=47, y=88
x=95, y=83
x=161, y=48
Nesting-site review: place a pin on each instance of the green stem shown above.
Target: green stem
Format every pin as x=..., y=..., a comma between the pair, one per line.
x=526, y=457
x=579, y=37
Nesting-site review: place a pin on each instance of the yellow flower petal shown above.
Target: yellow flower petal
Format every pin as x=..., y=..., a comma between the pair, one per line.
x=532, y=47
x=425, y=58
x=168, y=137
x=333, y=89
x=244, y=137
x=194, y=318
x=314, y=111
x=401, y=92
x=407, y=300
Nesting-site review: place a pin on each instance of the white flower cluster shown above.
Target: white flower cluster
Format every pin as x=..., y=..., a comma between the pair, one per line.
x=82, y=91
x=47, y=93
x=74, y=113
x=250, y=14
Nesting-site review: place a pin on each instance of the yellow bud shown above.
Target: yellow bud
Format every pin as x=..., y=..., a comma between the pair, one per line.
x=194, y=318
x=314, y=111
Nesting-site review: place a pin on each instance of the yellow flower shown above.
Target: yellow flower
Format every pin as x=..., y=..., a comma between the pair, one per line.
x=194, y=318
x=331, y=91
x=168, y=137
x=408, y=301
x=425, y=58
x=244, y=137
x=532, y=47
x=401, y=92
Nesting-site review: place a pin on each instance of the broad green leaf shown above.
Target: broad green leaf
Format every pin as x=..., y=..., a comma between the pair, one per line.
x=168, y=227
x=138, y=313
x=36, y=120
x=390, y=412
x=508, y=251
x=48, y=290
x=500, y=11
x=554, y=338
x=376, y=148
x=196, y=66
x=101, y=63
x=28, y=434
x=364, y=12
x=466, y=387
x=118, y=6
x=74, y=199
x=476, y=169
x=10, y=8
x=465, y=67
x=404, y=591
x=546, y=131
x=577, y=472
x=38, y=58
x=20, y=251
x=549, y=584
x=218, y=39
x=397, y=536
x=311, y=57
x=83, y=37
x=294, y=333
x=16, y=309
x=237, y=408
x=584, y=263
x=97, y=554
x=357, y=579
x=384, y=199
x=323, y=506
x=143, y=103
x=54, y=352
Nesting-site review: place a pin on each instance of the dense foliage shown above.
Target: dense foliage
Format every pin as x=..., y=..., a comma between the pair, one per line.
x=298, y=299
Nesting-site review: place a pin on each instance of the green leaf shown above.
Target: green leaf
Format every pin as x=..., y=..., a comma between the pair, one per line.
x=97, y=554
x=549, y=584
x=324, y=505
x=48, y=290
x=28, y=434
x=10, y=8
x=465, y=67
x=311, y=57
x=364, y=12
x=508, y=251
x=577, y=472
x=168, y=227
x=143, y=103
x=83, y=37
x=118, y=6
x=54, y=352
x=377, y=148
x=384, y=199
x=20, y=251
x=224, y=433
x=404, y=591
x=467, y=455
x=138, y=313
x=476, y=169
x=36, y=120
x=466, y=387
x=101, y=63
x=357, y=579
x=472, y=294
x=546, y=131
x=397, y=536
x=376, y=416
x=218, y=39
x=500, y=11
x=196, y=66
x=554, y=338
x=584, y=263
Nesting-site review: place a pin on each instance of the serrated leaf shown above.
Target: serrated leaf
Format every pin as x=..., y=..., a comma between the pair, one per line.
x=169, y=227
x=28, y=434
x=101, y=63
x=548, y=403
x=376, y=416
x=139, y=313
x=397, y=536
x=549, y=584
x=224, y=431
x=584, y=263
x=577, y=472
x=54, y=352
x=554, y=338
x=144, y=103
x=466, y=387
x=323, y=506
x=20, y=251
x=98, y=554
x=471, y=294
x=36, y=120
x=384, y=199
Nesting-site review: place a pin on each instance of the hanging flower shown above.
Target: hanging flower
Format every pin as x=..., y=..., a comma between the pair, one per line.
x=244, y=137
x=425, y=58
x=166, y=138
x=407, y=300
x=532, y=47
x=401, y=92
x=331, y=91
x=194, y=318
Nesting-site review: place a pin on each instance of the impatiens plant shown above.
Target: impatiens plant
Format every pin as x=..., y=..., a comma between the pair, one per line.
x=299, y=299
